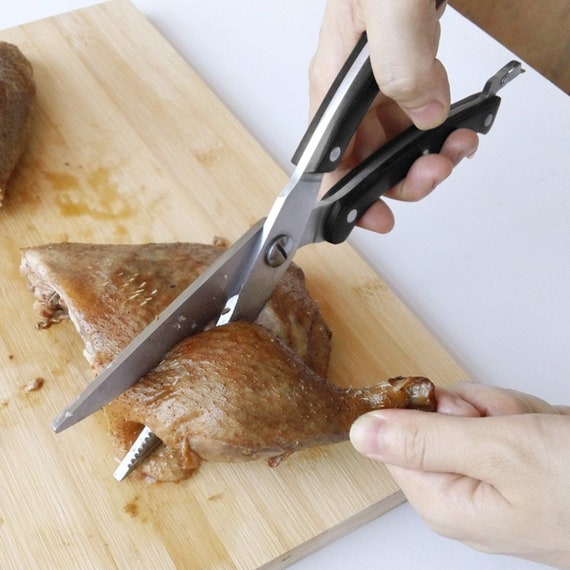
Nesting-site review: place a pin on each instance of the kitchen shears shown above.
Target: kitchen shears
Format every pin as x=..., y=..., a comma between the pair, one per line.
x=239, y=283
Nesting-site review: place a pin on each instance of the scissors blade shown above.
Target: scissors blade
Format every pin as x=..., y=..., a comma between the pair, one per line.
x=194, y=309
x=244, y=277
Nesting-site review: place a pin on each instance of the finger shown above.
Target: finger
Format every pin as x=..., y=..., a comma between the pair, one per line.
x=403, y=38
x=494, y=401
x=461, y=506
x=378, y=218
x=460, y=144
x=428, y=171
x=341, y=29
x=425, y=174
x=448, y=402
x=382, y=121
x=436, y=443
x=423, y=177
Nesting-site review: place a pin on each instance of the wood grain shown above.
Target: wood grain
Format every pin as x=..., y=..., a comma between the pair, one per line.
x=129, y=145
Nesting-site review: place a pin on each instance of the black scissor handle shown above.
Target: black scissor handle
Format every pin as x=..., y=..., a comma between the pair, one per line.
x=347, y=200
x=362, y=186
x=340, y=113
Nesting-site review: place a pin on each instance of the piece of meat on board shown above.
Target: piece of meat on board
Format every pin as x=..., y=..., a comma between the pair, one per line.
x=111, y=292
x=17, y=96
x=237, y=392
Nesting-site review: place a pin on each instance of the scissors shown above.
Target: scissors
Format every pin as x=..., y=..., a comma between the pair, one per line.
x=239, y=283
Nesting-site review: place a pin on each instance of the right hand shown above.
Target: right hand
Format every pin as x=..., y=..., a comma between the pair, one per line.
x=403, y=37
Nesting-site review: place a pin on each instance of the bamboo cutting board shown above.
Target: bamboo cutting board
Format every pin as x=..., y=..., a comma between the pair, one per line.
x=128, y=146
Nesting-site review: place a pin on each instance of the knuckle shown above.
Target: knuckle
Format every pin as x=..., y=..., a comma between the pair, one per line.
x=402, y=86
x=415, y=448
x=319, y=77
x=408, y=445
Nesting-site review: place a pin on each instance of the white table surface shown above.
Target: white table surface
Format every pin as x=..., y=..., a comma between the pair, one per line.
x=484, y=262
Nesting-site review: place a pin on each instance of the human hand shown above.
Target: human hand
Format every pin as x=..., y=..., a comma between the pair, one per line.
x=491, y=469
x=403, y=38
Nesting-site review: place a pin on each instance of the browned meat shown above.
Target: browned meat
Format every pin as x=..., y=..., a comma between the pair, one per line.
x=111, y=292
x=17, y=95
x=237, y=392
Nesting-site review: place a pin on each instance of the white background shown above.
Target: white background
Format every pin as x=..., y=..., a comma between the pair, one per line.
x=484, y=262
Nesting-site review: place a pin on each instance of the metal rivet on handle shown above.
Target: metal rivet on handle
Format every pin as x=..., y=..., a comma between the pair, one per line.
x=335, y=154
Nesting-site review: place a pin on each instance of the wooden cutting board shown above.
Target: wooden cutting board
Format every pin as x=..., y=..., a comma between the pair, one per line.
x=129, y=145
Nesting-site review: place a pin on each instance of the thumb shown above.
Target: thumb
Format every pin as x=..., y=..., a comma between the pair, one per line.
x=416, y=440
x=403, y=38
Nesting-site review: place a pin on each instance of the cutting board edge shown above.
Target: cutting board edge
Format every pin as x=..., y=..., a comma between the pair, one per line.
x=336, y=532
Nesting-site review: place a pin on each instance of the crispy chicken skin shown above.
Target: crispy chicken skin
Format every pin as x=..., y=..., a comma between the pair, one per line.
x=232, y=393
x=17, y=96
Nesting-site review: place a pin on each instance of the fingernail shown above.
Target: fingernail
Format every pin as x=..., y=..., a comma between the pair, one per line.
x=365, y=435
x=456, y=406
x=429, y=116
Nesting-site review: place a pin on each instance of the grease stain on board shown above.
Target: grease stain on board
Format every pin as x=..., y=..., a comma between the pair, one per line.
x=6, y=418
x=209, y=155
x=133, y=509
x=370, y=289
x=95, y=194
x=215, y=497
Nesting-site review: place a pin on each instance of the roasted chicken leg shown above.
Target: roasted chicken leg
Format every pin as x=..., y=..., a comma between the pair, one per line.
x=236, y=393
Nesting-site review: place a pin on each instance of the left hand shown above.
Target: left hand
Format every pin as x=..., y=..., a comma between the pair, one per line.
x=497, y=478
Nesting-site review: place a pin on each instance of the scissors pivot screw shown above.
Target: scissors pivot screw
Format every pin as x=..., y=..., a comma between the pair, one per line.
x=278, y=251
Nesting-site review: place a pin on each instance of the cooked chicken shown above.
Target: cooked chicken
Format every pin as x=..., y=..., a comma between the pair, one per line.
x=111, y=292
x=17, y=95
x=237, y=392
